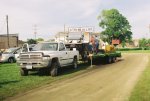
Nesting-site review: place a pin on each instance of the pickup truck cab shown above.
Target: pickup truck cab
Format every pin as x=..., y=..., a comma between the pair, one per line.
x=47, y=56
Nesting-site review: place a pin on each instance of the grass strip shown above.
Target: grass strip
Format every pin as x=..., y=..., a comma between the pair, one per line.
x=141, y=92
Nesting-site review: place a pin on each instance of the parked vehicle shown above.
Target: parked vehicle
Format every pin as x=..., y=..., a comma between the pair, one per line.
x=10, y=55
x=48, y=56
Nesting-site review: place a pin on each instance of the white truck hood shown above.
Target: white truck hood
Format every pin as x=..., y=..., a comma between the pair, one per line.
x=46, y=52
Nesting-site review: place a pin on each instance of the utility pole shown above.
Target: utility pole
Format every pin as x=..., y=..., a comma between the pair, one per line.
x=35, y=30
x=64, y=32
x=7, y=31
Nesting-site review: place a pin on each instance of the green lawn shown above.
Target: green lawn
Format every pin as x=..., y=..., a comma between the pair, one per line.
x=141, y=91
x=11, y=83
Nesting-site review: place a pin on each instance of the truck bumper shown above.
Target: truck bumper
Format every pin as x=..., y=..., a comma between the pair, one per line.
x=33, y=65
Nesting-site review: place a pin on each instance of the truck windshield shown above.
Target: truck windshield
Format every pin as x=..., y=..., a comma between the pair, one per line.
x=45, y=47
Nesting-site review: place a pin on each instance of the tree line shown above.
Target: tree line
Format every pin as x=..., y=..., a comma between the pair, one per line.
x=144, y=43
x=34, y=41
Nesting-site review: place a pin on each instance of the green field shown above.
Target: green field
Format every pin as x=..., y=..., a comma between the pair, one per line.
x=136, y=51
x=141, y=91
x=11, y=83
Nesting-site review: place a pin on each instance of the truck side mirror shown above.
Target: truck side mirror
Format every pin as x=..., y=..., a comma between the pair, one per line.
x=30, y=49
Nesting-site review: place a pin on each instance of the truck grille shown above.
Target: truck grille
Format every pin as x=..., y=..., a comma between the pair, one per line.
x=31, y=56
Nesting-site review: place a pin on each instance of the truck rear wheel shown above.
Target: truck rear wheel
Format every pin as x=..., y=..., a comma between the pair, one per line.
x=23, y=72
x=75, y=63
x=54, y=69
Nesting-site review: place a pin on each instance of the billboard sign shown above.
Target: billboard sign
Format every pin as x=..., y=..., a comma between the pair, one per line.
x=81, y=29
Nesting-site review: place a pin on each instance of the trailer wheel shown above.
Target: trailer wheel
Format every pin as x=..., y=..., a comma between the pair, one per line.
x=75, y=63
x=109, y=60
x=113, y=59
x=23, y=72
x=54, y=69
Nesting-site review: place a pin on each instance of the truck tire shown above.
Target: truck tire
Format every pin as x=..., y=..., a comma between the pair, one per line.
x=75, y=63
x=23, y=72
x=54, y=69
x=11, y=60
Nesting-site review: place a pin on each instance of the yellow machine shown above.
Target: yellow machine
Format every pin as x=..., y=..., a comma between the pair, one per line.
x=109, y=48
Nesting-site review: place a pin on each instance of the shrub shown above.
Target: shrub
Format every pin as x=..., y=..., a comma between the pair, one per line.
x=128, y=49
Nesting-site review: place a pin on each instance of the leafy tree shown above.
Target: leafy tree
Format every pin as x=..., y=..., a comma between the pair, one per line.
x=115, y=26
x=31, y=41
x=148, y=41
x=40, y=39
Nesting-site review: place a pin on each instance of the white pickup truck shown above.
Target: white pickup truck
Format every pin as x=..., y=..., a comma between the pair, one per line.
x=46, y=56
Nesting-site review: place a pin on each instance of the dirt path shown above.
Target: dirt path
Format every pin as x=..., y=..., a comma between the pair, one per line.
x=112, y=82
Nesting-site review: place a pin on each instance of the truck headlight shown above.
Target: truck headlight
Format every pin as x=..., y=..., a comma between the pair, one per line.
x=46, y=57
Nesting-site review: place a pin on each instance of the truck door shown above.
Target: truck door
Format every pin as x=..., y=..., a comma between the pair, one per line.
x=70, y=55
x=63, y=54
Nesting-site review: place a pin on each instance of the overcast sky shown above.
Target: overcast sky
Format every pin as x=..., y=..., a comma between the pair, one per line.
x=51, y=15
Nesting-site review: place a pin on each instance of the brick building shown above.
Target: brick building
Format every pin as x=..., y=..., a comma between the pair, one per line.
x=13, y=41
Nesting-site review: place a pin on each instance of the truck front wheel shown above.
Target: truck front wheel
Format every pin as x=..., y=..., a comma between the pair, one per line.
x=23, y=72
x=54, y=69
